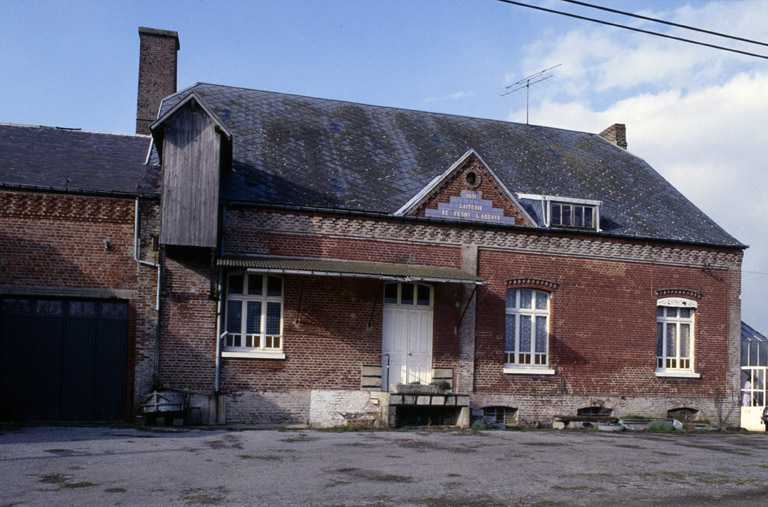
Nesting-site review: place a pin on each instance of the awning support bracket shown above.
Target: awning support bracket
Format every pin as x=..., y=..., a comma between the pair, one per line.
x=461, y=319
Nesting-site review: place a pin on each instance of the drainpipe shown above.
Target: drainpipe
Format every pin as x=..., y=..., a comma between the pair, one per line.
x=140, y=261
x=219, y=310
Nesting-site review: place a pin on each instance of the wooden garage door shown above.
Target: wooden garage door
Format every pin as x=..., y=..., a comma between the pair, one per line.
x=63, y=359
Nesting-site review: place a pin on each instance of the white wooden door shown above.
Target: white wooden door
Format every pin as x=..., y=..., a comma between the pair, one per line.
x=407, y=337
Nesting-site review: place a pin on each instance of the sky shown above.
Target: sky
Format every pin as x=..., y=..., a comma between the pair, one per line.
x=698, y=115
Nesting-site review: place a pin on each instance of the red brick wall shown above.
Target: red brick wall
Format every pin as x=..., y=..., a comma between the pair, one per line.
x=603, y=326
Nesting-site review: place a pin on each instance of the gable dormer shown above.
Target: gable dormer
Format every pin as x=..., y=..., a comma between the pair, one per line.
x=192, y=144
x=468, y=191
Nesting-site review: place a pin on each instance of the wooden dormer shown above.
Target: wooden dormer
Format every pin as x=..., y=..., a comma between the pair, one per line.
x=191, y=142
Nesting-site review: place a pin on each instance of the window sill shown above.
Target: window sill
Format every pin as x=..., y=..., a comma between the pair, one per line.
x=678, y=374
x=527, y=370
x=259, y=354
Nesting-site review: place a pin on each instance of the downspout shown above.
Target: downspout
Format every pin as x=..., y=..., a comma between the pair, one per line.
x=140, y=261
x=219, y=312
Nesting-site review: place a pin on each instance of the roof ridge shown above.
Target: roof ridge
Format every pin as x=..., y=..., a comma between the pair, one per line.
x=392, y=108
x=73, y=129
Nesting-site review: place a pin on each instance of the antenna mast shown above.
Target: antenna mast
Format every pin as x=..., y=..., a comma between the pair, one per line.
x=526, y=83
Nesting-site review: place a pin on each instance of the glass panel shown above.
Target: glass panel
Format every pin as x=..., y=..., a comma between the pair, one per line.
x=234, y=316
x=759, y=379
x=525, y=333
x=685, y=313
x=511, y=299
x=509, y=334
x=253, y=317
x=541, y=301
x=406, y=297
x=659, y=339
x=588, y=222
x=121, y=310
x=274, y=286
x=763, y=361
x=671, y=339
x=75, y=308
x=273, y=318
x=685, y=340
x=660, y=311
x=556, y=220
x=566, y=215
x=107, y=310
x=390, y=293
x=578, y=216
x=526, y=297
x=422, y=295
x=235, y=285
x=744, y=352
x=541, y=335
x=255, y=285
x=753, y=353
x=89, y=309
x=671, y=313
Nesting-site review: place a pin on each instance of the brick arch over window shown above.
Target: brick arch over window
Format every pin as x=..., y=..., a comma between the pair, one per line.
x=532, y=283
x=675, y=292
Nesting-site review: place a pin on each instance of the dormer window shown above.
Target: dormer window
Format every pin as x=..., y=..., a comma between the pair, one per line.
x=580, y=216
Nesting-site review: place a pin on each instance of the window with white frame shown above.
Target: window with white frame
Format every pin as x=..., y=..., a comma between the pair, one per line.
x=579, y=216
x=674, y=335
x=527, y=329
x=254, y=313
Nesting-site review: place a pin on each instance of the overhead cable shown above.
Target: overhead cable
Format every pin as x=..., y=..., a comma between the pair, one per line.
x=608, y=23
x=656, y=20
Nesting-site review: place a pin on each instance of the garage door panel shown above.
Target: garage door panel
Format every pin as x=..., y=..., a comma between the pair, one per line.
x=63, y=359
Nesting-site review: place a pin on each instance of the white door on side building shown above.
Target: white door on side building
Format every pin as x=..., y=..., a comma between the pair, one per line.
x=407, y=334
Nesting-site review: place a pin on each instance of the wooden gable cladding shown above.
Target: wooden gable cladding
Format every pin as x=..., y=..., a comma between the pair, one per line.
x=470, y=191
x=191, y=154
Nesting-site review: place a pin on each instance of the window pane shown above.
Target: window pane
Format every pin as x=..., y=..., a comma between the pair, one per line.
x=763, y=361
x=235, y=284
x=121, y=310
x=541, y=335
x=685, y=313
x=526, y=297
x=685, y=340
x=659, y=339
x=578, y=218
x=556, y=219
x=89, y=309
x=525, y=334
x=660, y=311
x=273, y=318
x=588, y=222
x=509, y=334
x=753, y=354
x=253, y=318
x=234, y=316
x=407, y=294
x=541, y=301
x=75, y=308
x=390, y=293
x=255, y=285
x=567, y=215
x=511, y=297
x=422, y=293
x=671, y=339
x=274, y=286
x=671, y=313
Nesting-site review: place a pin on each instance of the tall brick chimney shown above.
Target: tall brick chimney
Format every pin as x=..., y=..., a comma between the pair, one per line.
x=157, y=73
x=616, y=134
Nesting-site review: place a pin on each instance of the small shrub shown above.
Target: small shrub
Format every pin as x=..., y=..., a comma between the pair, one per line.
x=661, y=427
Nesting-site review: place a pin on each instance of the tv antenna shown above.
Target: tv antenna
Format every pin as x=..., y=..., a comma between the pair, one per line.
x=526, y=83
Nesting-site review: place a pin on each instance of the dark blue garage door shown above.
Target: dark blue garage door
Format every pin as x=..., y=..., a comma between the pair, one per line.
x=63, y=359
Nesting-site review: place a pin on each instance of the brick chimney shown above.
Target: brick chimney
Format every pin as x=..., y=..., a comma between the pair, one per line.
x=157, y=73
x=616, y=134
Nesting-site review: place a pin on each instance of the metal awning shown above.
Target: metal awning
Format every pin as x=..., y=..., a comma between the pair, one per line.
x=334, y=267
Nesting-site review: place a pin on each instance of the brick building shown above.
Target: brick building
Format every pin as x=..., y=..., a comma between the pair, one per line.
x=294, y=259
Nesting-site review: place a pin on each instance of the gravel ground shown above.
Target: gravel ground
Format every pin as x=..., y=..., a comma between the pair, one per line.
x=133, y=466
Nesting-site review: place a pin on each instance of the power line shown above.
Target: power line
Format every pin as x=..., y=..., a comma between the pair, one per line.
x=608, y=23
x=656, y=20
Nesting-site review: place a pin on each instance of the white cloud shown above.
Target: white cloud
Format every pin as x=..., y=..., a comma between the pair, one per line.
x=450, y=96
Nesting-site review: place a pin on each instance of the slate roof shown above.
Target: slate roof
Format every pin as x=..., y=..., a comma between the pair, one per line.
x=75, y=160
x=304, y=151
